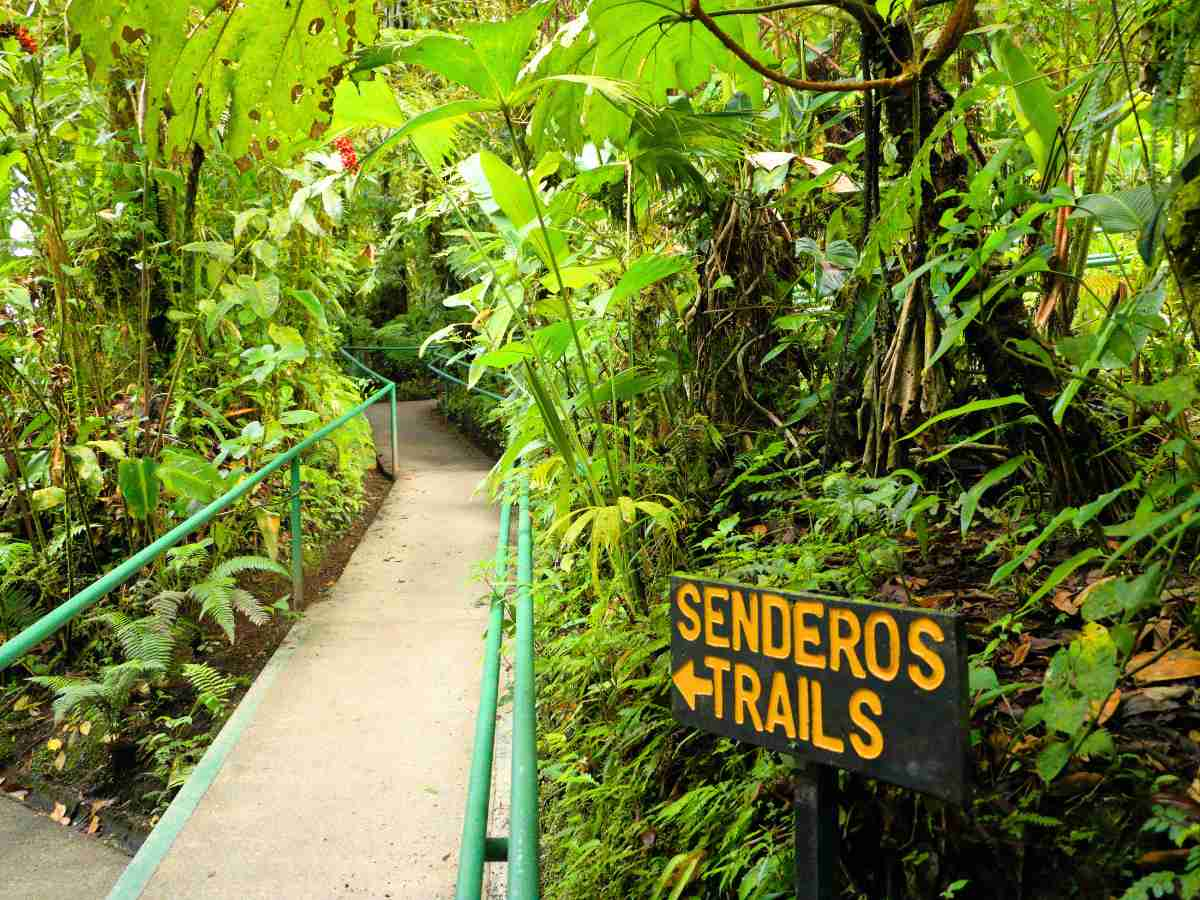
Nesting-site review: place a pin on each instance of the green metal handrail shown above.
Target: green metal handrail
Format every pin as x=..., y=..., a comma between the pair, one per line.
x=523, y=876
x=18, y=646
x=473, y=852
x=441, y=373
x=521, y=848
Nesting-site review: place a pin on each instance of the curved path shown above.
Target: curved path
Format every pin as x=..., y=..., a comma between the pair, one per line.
x=349, y=779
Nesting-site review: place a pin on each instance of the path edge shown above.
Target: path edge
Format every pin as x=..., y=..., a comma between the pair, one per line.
x=145, y=863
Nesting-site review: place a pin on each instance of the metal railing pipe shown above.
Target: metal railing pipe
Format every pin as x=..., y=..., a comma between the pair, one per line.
x=297, y=539
x=474, y=850
x=394, y=429
x=16, y=647
x=523, y=852
x=477, y=389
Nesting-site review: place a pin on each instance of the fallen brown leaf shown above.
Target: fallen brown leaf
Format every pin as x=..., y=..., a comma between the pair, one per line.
x=1109, y=707
x=94, y=825
x=1064, y=601
x=1026, y=743
x=60, y=814
x=934, y=601
x=1020, y=652
x=1162, y=632
x=1173, y=666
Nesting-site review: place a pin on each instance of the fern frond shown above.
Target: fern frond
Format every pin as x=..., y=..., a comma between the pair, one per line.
x=215, y=596
x=144, y=640
x=188, y=556
x=248, y=605
x=204, y=679
x=73, y=693
x=232, y=567
x=165, y=605
x=120, y=680
x=70, y=693
x=16, y=610
x=110, y=693
x=14, y=555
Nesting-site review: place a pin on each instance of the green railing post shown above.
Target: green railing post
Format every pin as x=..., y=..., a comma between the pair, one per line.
x=523, y=876
x=297, y=539
x=395, y=434
x=474, y=850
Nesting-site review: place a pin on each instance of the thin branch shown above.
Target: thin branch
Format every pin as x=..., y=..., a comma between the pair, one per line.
x=856, y=10
x=695, y=12
x=948, y=40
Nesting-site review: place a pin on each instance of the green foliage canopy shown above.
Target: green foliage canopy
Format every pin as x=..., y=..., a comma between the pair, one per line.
x=263, y=77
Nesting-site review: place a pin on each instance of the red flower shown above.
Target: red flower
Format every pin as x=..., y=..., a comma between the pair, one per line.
x=344, y=147
x=24, y=38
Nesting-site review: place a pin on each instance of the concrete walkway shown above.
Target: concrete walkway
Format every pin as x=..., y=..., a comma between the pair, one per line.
x=40, y=860
x=350, y=780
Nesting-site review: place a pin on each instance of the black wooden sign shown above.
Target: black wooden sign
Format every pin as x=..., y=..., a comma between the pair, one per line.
x=874, y=688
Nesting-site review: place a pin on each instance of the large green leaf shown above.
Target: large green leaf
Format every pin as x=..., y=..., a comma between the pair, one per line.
x=139, y=486
x=190, y=476
x=450, y=55
x=48, y=498
x=502, y=46
x=261, y=73
x=645, y=271
x=498, y=185
x=970, y=500
x=87, y=467
x=1032, y=102
x=365, y=104
x=1120, y=211
x=622, y=386
x=432, y=131
x=966, y=409
x=635, y=42
x=312, y=305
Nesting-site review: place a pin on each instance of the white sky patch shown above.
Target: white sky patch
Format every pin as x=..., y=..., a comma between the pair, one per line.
x=21, y=236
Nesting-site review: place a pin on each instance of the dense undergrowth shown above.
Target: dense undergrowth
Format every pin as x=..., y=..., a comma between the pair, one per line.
x=928, y=338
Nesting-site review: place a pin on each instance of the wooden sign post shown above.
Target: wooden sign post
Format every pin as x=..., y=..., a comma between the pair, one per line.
x=869, y=687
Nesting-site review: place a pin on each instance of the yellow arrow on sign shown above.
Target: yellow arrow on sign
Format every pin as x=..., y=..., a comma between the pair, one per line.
x=690, y=685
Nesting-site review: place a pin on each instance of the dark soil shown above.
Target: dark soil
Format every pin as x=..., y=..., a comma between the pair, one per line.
x=105, y=796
